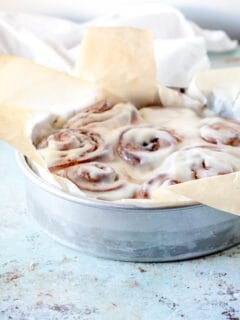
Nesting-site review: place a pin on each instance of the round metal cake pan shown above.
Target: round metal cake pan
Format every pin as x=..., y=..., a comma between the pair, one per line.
x=127, y=232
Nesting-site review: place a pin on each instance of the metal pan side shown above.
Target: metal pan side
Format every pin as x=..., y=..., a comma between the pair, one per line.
x=127, y=232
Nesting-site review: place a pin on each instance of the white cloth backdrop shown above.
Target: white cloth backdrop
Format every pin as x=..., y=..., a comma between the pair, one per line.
x=180, y=46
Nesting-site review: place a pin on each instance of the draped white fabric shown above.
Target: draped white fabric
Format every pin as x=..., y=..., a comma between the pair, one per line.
x=180, y=46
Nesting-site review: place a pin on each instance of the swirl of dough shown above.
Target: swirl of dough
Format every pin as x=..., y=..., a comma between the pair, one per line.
x=199, y=162
x=161, y=180
x=105, y=114
x=221, y=131
x=70, y=147
x=99, y=180
x=146, y=145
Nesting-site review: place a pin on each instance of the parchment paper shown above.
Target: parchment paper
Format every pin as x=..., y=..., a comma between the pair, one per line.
x=28, y=90
x=221, y=192
x=13, y=130
x=219, y=89
x=25, y=84
x=120, y=60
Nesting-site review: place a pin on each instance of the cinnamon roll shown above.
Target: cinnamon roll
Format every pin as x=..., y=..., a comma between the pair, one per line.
x=199, y=162
x=146, y=145
x=70, y=147
x=99, y=180
x=221, y=131
x=104, y=113
x=190, y=164
x=117, y=152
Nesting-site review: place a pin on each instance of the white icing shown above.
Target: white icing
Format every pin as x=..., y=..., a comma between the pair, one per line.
x=186, y=153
